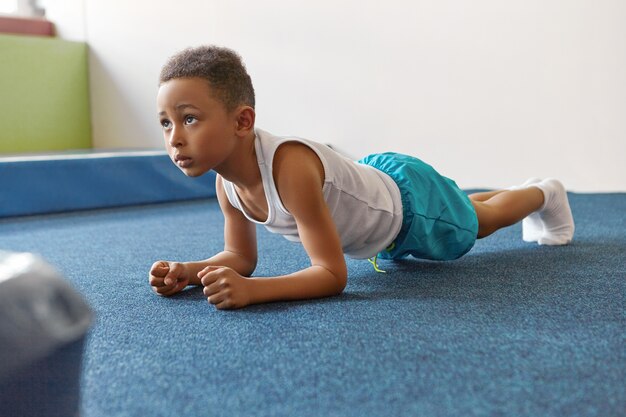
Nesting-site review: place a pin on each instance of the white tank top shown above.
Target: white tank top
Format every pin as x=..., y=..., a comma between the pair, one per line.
x=364, y=202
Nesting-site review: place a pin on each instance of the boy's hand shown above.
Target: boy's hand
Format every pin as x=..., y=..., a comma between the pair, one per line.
x=224, y=287
x=168, y=278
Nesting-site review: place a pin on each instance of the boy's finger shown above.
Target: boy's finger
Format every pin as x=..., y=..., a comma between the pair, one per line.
x=216, y=298
x=210, y=277
x=156, y=281
x=170, y=291
x=177, y=288
x=158, y=273
x=164, y=290
x=160, y=266
x=160, y=282
x=211, y=289
x=173, y=274
x=208, y=269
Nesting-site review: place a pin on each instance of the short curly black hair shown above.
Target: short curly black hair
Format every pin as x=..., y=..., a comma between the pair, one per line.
x=221, y=67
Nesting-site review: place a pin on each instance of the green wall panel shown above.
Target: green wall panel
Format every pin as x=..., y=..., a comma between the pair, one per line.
x=44, y=95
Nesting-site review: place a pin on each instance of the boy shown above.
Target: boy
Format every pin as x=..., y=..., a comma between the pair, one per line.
x=386, y=205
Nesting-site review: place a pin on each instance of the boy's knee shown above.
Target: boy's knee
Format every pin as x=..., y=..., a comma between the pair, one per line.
x=486, y=223
x=485, y=230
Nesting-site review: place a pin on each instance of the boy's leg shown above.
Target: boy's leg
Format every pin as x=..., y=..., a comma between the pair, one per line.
x=532, y=229
x=484, y=195
x=505, y=207
x=548, y=198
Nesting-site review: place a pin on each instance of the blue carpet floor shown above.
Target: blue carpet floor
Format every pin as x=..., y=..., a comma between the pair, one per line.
x=511, y=329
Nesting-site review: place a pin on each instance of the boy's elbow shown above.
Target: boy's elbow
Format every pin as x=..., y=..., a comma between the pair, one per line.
x=251, y=267
x=341, y=281
x=340, y=287
x=335, y=279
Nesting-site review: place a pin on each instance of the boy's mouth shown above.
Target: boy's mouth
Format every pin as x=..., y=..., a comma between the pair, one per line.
x=182, y=161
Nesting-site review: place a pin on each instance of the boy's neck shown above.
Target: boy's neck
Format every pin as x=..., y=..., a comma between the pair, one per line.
x=241, y=166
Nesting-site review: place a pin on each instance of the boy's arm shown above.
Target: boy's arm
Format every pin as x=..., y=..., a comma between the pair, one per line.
x=240, y=246
x=299, y=185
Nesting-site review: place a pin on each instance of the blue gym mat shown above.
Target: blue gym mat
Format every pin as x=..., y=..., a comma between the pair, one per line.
x=42, y=184
x=510, y=329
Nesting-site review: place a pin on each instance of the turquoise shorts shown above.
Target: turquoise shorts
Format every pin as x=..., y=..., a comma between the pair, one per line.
x=439, y=221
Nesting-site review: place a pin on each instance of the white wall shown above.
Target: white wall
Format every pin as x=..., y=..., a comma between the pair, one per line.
x=489, y=92
x=68, y=17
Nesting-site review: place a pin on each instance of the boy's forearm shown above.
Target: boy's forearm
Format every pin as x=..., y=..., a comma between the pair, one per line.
x=313, y=282
x=232, y=260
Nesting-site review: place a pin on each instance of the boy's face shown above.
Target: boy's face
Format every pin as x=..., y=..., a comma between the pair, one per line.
x=199, y=132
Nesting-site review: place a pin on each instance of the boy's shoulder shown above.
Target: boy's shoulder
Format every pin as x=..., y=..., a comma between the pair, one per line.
x=296, y=163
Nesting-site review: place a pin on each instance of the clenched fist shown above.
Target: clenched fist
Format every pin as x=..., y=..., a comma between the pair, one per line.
x=224, y=287
x=168, y=278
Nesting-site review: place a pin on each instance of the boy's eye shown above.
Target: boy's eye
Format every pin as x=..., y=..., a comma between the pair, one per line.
x=190, y=120
x=165, y=124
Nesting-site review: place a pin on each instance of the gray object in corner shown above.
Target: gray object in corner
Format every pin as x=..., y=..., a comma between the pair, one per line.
x=43, y=322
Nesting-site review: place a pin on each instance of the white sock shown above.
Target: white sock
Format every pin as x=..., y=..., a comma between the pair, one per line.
x=555, y=214
x=532, y=226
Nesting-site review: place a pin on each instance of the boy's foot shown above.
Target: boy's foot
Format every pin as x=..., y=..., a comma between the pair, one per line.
x=532, y=226
x=555, y=214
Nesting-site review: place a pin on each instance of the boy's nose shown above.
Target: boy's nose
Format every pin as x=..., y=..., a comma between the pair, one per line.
x=176, y=140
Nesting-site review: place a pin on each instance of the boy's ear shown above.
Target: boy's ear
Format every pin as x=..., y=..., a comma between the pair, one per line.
x=245, y=119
